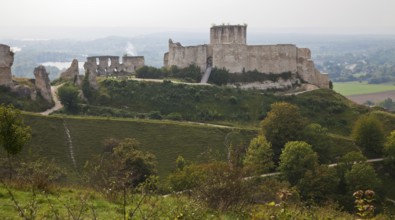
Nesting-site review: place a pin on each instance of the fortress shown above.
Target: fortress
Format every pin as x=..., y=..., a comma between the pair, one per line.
x=228, y=49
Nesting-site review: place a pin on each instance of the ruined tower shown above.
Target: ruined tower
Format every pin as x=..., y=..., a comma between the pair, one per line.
x=6, y=60
x=228, y=34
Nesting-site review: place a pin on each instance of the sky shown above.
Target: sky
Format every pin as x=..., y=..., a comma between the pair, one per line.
x=27, y=17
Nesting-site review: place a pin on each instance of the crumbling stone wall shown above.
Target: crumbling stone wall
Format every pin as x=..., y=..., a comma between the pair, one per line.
x=42, y=83
x=6, y=61
x=72, y=73
x=131, y=63
x=184, y=56
x=110, y=66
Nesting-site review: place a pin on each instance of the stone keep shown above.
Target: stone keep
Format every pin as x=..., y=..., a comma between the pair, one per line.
x=228, y=49
x=6, y=61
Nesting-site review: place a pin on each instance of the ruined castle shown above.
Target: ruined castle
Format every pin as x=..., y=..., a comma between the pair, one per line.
x=228, y=49
x=110, y=65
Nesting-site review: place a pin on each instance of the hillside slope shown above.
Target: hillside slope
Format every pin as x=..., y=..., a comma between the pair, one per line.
x=165, y=139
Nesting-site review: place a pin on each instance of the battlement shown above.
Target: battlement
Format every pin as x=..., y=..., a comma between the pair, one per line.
x=228, y=34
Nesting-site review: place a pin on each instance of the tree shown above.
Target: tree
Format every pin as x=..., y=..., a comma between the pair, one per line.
x=14, y=134
x=368, y=134
x=259, y=156
x=388, y=104
x=361, y=177
x=282, y=124
x=87, y=90
x=68, y=95
x=344, y=165
x=318, y=184
x=297, y=158
x=317, y=136
x=124, y=166
x=389, y=152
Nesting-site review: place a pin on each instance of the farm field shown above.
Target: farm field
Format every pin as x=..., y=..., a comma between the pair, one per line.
x=373, y=97
x=357, y=88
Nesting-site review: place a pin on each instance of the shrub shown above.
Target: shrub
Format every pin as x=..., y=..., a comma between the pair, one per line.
x=68, y=95
x=174, y=116
x=155, y=115
x=40, y=173
x=219, y=76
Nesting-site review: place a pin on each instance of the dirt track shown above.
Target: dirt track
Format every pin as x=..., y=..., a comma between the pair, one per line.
x=55, y=98
x=374, y=97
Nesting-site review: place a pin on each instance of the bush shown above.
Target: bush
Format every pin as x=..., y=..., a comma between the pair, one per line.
x=219, y=76
x=174, y=116
x=155, y=115
x=68, y=95
x=40, y=173
x=124, y=167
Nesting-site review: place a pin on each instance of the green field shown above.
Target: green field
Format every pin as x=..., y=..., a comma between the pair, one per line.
x=357, y=88
x=165, y=139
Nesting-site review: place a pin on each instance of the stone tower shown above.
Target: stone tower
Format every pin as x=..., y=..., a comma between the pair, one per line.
x=6, y=60
x=228, y=34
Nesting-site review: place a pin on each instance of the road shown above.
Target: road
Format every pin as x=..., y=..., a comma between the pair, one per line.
x=329, y=165
x=55, y=98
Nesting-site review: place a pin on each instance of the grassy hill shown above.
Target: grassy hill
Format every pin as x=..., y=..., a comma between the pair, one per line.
x=219, y=105
x=166, y=139
x=242, y=109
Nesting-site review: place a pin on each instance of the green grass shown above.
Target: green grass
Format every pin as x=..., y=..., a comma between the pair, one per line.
x=70, y=200
x=220, y=105
x=64, y=201
x=168, y=139
x=357, y=88
x=329, y=109
x=165, y=139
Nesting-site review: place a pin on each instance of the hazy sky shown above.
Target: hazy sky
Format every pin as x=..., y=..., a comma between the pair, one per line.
x=366, y=16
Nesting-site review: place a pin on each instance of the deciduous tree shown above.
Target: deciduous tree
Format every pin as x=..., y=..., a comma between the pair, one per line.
x=389, y=152
x=317, y=137
x=68, y=95
x=282, y=124
x=368, y=134
x=14, y=134
x=259, y=156
x=361, y=177
x=296, y=159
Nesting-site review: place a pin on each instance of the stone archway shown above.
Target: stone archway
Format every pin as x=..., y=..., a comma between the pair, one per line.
x=209, y=62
